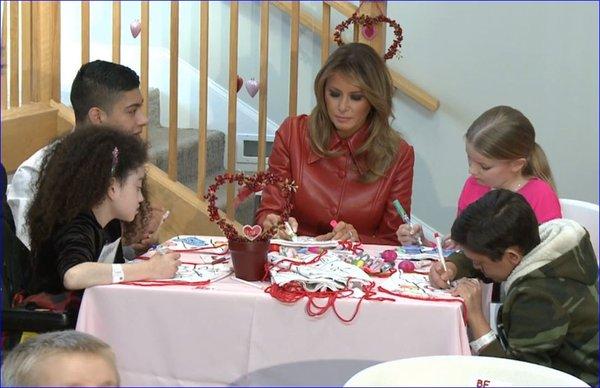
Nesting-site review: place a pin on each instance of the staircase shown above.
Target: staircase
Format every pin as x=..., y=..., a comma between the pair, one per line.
x=187, y=158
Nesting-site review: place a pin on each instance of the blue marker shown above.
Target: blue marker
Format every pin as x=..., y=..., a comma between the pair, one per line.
x=405, y=218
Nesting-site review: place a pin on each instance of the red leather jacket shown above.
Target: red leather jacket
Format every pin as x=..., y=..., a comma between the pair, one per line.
x=328, y=188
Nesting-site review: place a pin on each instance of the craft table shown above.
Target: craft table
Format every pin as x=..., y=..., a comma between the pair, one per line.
x=230, y=333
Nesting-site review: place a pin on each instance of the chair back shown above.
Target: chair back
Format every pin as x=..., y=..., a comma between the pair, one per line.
x=586, y=214
x=461, y=371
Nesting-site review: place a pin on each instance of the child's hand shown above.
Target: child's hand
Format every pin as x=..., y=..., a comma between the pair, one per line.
x=470, y=290
x=410, y=236
x=448, y=243
x=440, y=278
x=164, y=265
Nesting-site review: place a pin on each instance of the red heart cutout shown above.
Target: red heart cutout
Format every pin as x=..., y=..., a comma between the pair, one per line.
x=240, y=82
x=252, y=232
x=369, y=32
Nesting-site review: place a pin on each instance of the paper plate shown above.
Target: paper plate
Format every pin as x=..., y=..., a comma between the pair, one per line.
x=305, y=242
x=461, y=371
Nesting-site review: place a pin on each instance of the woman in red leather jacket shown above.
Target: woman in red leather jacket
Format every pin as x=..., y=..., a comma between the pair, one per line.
x=348, y=162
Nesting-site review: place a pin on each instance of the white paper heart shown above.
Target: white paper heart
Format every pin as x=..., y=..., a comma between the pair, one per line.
x=252, y=232
x=136, y=28
x=252, y=87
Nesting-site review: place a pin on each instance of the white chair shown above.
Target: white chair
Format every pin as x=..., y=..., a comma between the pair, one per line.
x=461, y=371
x=586, y=214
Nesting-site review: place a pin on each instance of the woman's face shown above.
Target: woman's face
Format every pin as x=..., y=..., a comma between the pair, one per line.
x=346, y=103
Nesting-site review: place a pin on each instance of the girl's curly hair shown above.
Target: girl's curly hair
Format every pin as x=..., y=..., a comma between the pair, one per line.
x=76, y=174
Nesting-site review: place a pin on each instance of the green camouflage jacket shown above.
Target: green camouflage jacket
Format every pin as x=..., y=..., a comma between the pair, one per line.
x=549, y=314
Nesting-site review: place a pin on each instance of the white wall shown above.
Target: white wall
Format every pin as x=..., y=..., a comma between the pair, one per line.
x=540, y=57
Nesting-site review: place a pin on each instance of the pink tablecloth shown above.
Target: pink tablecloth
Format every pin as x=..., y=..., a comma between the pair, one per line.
x=231, y=333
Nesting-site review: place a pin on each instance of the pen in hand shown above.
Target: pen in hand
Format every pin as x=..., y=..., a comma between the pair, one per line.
x=405, y=218
x=290, y=231
x=438, y=243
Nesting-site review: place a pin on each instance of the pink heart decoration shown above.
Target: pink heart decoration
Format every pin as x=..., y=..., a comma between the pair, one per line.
x=369, y=32
x=240, y=82
x=252, y=87
x=252, y=232
x=135, y=28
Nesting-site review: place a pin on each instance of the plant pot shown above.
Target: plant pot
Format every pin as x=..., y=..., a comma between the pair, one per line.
x=249, y=259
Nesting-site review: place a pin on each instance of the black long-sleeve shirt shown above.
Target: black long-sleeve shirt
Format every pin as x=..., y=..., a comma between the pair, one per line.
x=81, y=240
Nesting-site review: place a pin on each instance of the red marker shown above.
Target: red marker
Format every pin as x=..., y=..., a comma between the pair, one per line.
x=333, y=223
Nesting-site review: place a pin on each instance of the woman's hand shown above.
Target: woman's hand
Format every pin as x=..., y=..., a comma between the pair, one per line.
x=440, y=278
x=410, y=236
x=275, y=220
x=341, y=231
x=164, y=265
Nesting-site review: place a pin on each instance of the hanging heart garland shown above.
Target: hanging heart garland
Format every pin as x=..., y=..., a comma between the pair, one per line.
x=136, y=28
x=252, y=87
x=369, y=31
x=240, y=82
x=251, y=183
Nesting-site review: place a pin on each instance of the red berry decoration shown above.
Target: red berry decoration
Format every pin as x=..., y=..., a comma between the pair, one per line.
x=369, y=24
x=252, y=183
x=406, y=266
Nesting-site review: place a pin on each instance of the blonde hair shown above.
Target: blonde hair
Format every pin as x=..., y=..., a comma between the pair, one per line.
x=504, y=133
x=19, y=366
x=360, y=63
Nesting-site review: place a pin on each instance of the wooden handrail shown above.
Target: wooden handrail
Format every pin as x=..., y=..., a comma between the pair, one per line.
x=347, y=9
x=4, y=69
x=232, y=101
x=26, y=52
x=85, y=32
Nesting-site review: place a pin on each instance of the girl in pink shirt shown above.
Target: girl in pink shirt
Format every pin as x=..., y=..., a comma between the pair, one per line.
x=502, y=153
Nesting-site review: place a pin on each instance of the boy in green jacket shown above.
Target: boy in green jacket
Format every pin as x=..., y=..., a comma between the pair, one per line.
x=549, y=314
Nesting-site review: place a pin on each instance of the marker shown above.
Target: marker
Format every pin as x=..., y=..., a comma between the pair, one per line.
x=405, y=218
x=438, y=243
x=290, y=231
x=333, y=223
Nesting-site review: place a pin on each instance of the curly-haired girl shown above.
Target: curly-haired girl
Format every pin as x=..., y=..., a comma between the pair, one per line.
x=90, y=181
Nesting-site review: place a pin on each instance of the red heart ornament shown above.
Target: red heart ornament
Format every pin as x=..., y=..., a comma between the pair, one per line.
x=369, y=32
x=252, y=232
x=135, y=28
x=240, y=82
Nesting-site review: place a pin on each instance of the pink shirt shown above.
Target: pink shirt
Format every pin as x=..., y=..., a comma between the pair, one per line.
x=538, y=193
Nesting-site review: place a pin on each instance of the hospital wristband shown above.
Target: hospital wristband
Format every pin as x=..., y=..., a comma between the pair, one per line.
x=482, y=341
x=118, y=275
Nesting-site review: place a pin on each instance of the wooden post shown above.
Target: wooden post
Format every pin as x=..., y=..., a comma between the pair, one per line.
x=85, y=32
x=144, y=42
x=45, y=48
x=14, y=54
x=26, y=52
x=173, y=90
x=232, y=102
x=203, y=99
x=325, y=32
x=294, y=40
x=264, y=76
x=373, y=9
x=4, y=68
x=116, y=32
